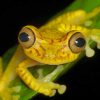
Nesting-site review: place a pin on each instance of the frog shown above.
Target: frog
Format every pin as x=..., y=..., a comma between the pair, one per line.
x=57, y=42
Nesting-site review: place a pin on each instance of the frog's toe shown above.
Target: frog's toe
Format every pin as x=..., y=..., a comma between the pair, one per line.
x=89, y=52
x=50, y=88
x=47, y=91
x=50, y=92
x=98, y=45
x=62, y=89
x=53, y=93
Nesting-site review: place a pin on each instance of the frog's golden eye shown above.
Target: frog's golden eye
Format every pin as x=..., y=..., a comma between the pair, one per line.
x=77, y=42
x=26, y=37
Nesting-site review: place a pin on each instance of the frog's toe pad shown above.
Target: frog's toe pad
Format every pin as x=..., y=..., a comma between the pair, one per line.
x=62, y=89
x=98, y=45
x=52, y=93
x=50, y=88
x=90, y=52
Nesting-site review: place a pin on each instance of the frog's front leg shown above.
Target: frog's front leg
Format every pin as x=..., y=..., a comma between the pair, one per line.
x=95, y=36
x=46, y=88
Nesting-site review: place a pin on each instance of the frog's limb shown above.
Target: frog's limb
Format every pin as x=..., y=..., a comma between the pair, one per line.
x=53, y=74
x=95, y=36
x=10, y=74
x=1, y=67
x=74, y=17
x=46, y=88
x=7, y=93
x=93, y=13
x=90, y=15
x=98, y=45
x=89, y=51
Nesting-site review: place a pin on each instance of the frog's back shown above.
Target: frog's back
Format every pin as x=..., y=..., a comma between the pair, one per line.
x=57, y=28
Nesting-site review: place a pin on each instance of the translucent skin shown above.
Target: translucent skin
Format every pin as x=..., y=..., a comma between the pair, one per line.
x=51, y=47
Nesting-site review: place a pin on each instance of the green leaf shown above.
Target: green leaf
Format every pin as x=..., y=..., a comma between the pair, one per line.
x=26, y=93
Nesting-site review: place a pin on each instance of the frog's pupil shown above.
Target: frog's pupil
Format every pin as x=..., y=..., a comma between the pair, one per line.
x=80, y=42
x=24, y=37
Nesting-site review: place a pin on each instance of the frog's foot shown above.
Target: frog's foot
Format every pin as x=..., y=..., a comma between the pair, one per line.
x=7, y=93
x=98, y=45
x=50, y=88
x=89, y=51
x=95, y=36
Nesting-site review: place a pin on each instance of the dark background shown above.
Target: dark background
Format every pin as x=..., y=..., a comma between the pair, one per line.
x=83, y=80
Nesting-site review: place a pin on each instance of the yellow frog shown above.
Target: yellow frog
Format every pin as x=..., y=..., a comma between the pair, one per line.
x=57, y=42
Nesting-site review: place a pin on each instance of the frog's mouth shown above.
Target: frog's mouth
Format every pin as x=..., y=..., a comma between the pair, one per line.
x=52, y=59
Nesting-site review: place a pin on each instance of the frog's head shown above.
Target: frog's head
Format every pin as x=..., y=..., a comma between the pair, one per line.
x=51, y=46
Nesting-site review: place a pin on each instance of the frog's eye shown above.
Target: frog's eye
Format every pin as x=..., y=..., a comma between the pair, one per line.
x=26, y=37
x=77, y=42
